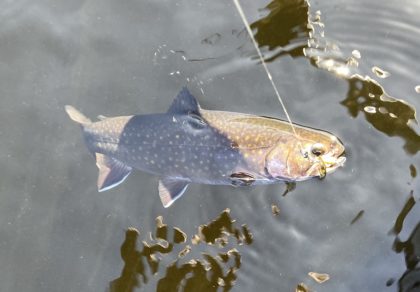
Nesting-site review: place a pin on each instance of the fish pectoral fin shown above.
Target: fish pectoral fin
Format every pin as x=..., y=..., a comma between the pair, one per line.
x=170, y=190
x=112, y=172
x=241, y=179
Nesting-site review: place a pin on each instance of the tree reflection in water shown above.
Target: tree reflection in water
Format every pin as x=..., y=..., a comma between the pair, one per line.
x=209, y=273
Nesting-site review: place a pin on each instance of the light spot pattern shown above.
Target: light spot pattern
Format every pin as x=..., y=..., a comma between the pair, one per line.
x=168, y=145
x=191, y=144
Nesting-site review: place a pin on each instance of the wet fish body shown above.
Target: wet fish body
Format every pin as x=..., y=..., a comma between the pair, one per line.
x=188, y=144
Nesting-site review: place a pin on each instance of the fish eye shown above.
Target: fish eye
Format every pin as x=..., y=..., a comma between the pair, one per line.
x=318, y=149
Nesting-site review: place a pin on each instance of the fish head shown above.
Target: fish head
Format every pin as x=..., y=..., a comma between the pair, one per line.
x=302, y=158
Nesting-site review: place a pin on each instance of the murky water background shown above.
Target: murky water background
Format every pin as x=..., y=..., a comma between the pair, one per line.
x=359, y=225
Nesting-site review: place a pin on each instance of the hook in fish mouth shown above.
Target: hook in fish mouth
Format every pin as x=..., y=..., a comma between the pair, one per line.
x=324, y=165
x=332, y=163
x=318, y=168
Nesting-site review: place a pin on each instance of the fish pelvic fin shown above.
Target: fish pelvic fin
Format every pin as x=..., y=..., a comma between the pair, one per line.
x=170, y=190
x=112, y=172
x=77, y=116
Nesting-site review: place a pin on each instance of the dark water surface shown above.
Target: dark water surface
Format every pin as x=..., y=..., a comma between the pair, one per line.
x=360, y=225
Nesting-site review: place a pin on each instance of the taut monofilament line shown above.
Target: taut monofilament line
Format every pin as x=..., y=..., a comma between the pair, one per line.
x=248, y=28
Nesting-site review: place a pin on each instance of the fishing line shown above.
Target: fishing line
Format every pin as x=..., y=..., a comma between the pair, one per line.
x=248, y=28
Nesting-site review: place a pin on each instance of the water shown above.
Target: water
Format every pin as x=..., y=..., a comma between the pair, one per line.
x=359, y=225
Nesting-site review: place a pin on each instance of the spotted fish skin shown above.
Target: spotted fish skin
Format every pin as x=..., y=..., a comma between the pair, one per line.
x=188, y=144
x=169, y=145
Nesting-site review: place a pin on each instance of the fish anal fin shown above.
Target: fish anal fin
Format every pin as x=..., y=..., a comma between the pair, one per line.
x=170, y=190
x=112, y=172
x=184, y=103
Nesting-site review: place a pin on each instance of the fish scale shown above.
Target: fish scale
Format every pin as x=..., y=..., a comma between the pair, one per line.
x=188, y=144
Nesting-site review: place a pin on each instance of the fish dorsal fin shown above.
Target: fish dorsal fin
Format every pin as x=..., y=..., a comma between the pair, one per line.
x=112, y=172
x=170, y=190
x=184, y=103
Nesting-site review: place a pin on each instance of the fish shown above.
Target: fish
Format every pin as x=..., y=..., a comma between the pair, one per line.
x=188, y=144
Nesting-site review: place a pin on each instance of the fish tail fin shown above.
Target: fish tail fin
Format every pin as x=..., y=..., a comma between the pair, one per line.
x=77, y=116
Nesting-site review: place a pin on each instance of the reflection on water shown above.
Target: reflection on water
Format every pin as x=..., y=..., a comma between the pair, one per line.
x=410, y=280
x=391, y=116
x=302, y=288
x=290, y=22
x=380, y=72
x=206, y=274
x=284, y=29
x=275, y=209
x=357, y=217
x=403, y=214
x=413, y=171
x=387, y=114
x=212, y=39
x=325, y=54
x=319, y=278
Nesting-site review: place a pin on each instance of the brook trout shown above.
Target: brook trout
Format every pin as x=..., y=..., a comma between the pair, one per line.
x=188, y=144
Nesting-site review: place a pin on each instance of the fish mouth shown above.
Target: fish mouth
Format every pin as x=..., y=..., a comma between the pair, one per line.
x=326, y=164
x=332, y=163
